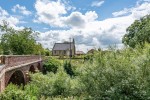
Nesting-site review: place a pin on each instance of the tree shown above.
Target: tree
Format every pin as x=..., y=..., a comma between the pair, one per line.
x=19, y=42
x=51, y=65
x=138, y=33
x=47, y=52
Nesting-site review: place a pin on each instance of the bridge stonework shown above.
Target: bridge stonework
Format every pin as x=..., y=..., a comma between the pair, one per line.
x=15, y=69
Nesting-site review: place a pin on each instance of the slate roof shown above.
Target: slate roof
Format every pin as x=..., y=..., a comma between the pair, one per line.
x=63, y=46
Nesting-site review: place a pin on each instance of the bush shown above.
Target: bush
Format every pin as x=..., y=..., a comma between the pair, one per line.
x=54, y=85
x=68, y=68
x=120, y=74
x=12, y=92
x=89, y=57
x=51, y=65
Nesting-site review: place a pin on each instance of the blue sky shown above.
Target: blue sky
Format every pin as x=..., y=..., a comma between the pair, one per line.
x=93, y=23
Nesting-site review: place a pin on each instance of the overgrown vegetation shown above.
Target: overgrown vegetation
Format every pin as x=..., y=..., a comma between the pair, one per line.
x=68, y=68
x=51, y=65
x=118, y=74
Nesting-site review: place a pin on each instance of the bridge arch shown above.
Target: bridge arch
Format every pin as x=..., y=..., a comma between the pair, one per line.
x=39, y=66
x=17, y=78
x=32, y=69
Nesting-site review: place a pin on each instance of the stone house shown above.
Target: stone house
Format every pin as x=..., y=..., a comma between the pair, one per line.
x=64, y=49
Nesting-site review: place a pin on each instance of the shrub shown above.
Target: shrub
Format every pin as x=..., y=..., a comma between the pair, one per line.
x=51, y=65
x=89, y=57
x=12, y=92
x=54, y=85
x=120, y=74
x=68, y=68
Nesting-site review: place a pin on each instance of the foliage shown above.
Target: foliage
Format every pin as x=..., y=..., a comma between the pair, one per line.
x=13, y=92
x=138, y=32
x=112, y=75
x=19, y=42
x=88, y=57
x=68, y=68
x=47, y=52
x=53, y=85
x=119, y=75
x=51, y=65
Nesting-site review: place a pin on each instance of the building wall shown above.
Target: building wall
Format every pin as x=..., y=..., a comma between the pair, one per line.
x=59, y=52
x=63, y=52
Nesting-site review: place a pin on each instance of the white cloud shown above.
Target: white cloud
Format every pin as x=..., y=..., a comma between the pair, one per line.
x=141, y=10
x=121, y=13
x=5, y=16
x=79, y=20
x=49, y=12
x=138, y=11
x=76, y=19
x=13, y=21
x=21, y=9
x=91, y=15
x=54, y=14
x=3, y=12
x=97, y=3
x=92, y=32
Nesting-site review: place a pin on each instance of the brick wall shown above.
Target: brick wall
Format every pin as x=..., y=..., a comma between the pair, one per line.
x=7, y=67
x=17, y=60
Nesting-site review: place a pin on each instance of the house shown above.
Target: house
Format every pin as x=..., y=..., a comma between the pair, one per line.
x=79, y=53
x=91, y=51
x=64, y=49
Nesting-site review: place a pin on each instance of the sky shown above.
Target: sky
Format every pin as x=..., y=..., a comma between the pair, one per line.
x=92, y=23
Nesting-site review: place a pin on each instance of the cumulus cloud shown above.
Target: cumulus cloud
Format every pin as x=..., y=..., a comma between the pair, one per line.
x=21, y=9
x=97, y=3
x=93, y=32
x=4, y=15
x=121, y=13
x=138, y=11
x=54, y=13
x=3, y=12
x=76, y=19
x=49, y=12
x=79, y=20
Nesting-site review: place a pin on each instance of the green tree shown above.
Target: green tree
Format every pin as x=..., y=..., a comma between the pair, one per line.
x=138, y=32
x=47, y=52
x=51, y=65
x=19, y=42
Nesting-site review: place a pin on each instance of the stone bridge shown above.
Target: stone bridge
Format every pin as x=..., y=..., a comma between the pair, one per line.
x=15, y=69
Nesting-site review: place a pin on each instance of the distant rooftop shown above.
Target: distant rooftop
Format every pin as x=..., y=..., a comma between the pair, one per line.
x=63, y=46
x=79, y=52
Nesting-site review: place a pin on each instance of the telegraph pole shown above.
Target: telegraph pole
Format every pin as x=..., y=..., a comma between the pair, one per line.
x=70, y=49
